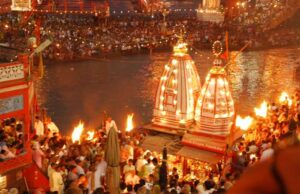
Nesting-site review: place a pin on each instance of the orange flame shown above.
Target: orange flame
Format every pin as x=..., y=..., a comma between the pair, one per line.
x=262, y=110
x=129, y=126
x=284, y=98
x=77, y=132
x=243, y=123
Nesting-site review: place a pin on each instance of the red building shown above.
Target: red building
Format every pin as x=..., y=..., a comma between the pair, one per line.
x=17, y=108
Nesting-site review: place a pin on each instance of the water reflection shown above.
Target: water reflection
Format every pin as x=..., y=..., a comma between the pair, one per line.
x=120, y=85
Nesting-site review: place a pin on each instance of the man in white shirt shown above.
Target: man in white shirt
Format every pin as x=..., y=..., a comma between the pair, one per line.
x=267, y=153
x=79, y=168
x=132, y=179
x=140, y=163
x=100, y=173
x=57, y=181
x=38, y=126
x=52, y=127
x=128, y=167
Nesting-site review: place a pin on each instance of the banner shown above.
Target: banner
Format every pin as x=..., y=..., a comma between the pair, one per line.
x=21, y=5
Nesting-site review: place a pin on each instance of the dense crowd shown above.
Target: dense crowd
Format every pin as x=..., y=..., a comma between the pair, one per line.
x=131, y=34
x=79, y=166
x=11, y=138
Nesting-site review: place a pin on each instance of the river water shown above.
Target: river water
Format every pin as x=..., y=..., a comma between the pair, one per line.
x=82, y=90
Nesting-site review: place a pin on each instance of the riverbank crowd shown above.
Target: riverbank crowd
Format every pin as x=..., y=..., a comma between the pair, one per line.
x=78, y=167
x=129, y=34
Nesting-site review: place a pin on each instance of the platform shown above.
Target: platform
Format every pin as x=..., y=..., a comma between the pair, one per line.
x=208, y=16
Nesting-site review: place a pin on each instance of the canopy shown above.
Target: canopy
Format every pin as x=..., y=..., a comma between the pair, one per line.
x=156, y=143
x=202, y=155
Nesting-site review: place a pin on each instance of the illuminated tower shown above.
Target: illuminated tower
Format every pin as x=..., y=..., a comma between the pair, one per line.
x=213, y=114
x=178, y=91
x=215, y=106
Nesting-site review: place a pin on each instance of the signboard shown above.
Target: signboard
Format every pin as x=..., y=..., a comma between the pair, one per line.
x=12, y=104
x=42, y=46
x=21, y=5
x=11, y=72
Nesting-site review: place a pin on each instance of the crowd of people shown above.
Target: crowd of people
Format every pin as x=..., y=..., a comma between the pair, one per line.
x=80, y=167
x=11, y=139
x=131, y=34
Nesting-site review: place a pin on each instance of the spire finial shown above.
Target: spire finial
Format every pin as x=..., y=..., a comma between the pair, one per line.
x=217, y=49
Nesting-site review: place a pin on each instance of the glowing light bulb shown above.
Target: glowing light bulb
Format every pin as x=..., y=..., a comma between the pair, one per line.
x=177, y=112
x=167, y=67
x=163, y=112
x=161, y=107
x=182, y=121
x=175, y=91
x=210, y=106
x=163, y=87
x=174, y=62
x=161, y=97
x=191, y=91
x=175, y=102
x=221, y=82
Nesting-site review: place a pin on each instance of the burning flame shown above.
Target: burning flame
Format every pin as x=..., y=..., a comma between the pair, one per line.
x=262, y=110
x=129, y=126
x=284, y=98
x=243, y=123
x=90, y=135
x=77, y=132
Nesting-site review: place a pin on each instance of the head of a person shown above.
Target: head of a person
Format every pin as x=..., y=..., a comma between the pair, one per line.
x=130, y=162
x=99, y=190
x=142, y=182
x=208, y=185
x=129, y=188
x=155, y=161
x=122, y=186
x=73, y=169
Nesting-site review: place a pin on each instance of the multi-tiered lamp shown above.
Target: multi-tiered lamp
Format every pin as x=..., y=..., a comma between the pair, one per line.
x=214, y=111
x=178, y=91
x=215, y=107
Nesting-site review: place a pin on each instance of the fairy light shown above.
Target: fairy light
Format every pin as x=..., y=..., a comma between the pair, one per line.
x=174, y=62
x=221, y=82
x=161, y=107
x=182, y=121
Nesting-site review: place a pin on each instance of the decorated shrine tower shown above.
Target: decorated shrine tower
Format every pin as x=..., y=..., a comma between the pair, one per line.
x=178, y=91
x=215, y=106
